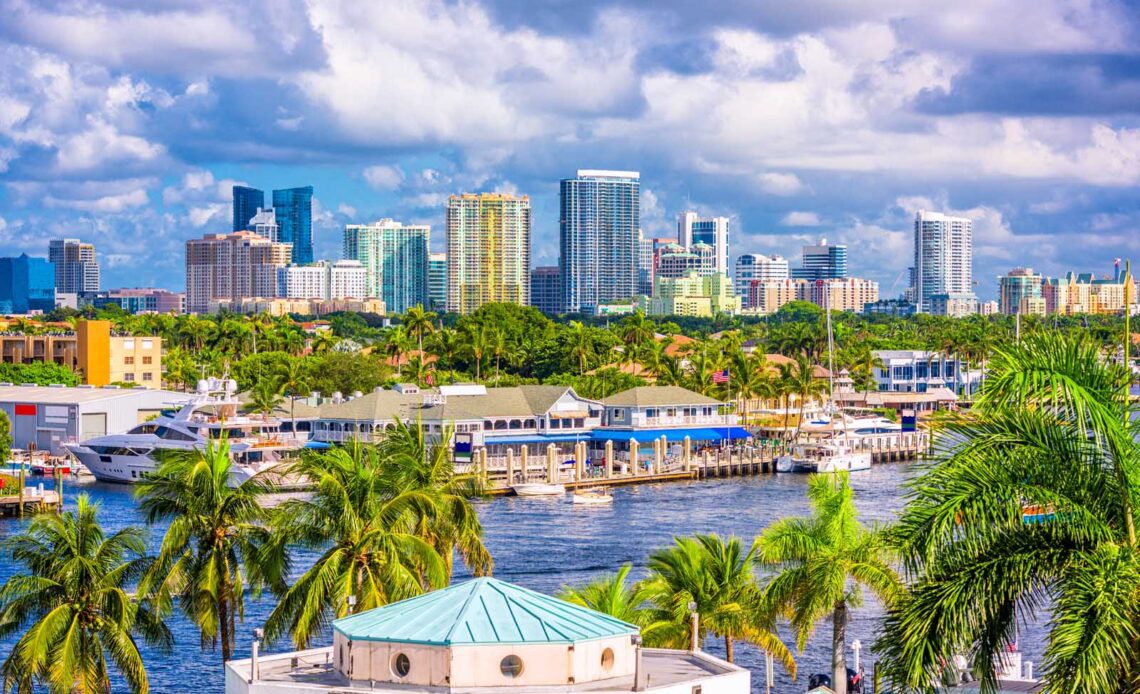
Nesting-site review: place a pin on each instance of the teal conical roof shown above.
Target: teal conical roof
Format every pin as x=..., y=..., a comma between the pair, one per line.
x=481, y=611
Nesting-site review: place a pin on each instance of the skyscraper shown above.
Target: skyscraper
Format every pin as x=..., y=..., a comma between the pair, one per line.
x=294, y=210
x=752, y=267
x=26, y=284
x=247, y=201
x=395, y=257
x=599, y=222
x=1019, y=291
x=228, y=267
x=713, y=231
x=326, y=280
x=822, y=261
x=264, y=223
x=943, y=258
x=546, y=289
x=437, y=281
x=488, y=250
x=76, y=269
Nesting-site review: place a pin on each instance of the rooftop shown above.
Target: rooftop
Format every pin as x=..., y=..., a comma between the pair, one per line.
x=65, y=396
x=481, y=611
x=658, y=396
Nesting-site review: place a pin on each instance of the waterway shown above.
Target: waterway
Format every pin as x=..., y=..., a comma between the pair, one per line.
x=546, y=543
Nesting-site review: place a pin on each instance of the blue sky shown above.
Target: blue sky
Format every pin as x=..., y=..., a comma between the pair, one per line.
x=125, y=123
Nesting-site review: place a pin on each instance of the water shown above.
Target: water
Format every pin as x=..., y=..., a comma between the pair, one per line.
x=545, y=543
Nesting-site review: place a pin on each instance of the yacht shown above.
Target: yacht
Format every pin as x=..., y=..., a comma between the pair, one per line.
x=538, y=489
x=208, y=415
x=823, y=457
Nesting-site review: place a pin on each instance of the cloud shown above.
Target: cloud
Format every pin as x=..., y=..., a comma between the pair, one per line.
x=783, y=184
x=800, y=219
x=384, y=177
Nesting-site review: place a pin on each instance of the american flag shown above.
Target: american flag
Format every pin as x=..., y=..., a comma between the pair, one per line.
x=720, y=376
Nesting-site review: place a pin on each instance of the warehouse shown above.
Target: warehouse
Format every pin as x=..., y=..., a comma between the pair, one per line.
x=50, y=416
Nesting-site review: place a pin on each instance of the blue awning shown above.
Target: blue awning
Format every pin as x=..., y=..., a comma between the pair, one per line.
x=672, y=435
x=541, y=439
x=318, y=444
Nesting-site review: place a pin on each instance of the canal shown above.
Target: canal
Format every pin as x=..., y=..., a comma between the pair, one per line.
x=544, y=543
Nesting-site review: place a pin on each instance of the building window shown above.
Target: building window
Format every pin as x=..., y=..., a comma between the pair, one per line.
x=128, y=344
x=148, y=360
x=128, y=377
x=511, y=666
x=148, y=376
x=401, y=665
x=128, y=360
x=148, y=344
x=607, y=660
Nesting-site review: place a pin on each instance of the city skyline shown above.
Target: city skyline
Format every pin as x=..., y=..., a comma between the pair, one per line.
x=132, y=139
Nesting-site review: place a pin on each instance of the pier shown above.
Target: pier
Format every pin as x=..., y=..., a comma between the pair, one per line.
x=17, y=499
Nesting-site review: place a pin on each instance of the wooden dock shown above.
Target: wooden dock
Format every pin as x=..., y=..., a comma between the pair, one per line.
x=18, y=499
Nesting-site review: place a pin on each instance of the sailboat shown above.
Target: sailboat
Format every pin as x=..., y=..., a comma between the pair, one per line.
x=835, y=454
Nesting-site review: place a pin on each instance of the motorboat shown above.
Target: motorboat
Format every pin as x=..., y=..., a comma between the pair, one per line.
x=538, y=489
x=48, y=468
x=823, y=458
x=209, y=415
x=594, y=497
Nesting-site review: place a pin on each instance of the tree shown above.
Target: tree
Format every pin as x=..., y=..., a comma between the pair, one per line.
x=825, y=562
x=806, y=386
x=292, y=381
x=365, y=532
x=582, y=347
x=5, y=436
x=636, y=332
x=75, y=605
x=265, y=397
x=715, y=575
x=1032, y=493
x=211, y=549
x=613, y=595
x=418, y=322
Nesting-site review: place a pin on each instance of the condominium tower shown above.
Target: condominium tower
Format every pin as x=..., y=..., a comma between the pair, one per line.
x=822, y=261
x=546, y=289
x=943, y=258
x=437, y=281
x=324, y=280
x=223, y=268
x=713, y=231
x=247, y=203
x=753, y=267
x=1019, y=292
x=395, y=257
x=488, y=250
x=598, y=229
x=293, y=208
x=76, y=269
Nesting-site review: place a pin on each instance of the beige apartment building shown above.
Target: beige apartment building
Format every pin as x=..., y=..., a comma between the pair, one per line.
x=488, y=250
x=229, y=267
x=94, y=351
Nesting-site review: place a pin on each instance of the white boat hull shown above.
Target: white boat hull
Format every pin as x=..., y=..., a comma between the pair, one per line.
x=847, y=462
x=593, y=499
x=538, y=489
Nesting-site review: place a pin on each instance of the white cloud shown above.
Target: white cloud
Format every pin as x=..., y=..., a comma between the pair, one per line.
x=800, y=219
x=384, y=177
x=107, y=203
x=783, y=184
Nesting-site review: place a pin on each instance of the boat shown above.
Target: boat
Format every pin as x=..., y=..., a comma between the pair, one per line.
x=208, y=415
x=823, y=458
x=594, y=497
x=48, y=468
x=538, y=489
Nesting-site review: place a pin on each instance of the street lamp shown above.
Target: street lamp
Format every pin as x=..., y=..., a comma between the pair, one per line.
x=694, y=626
x=258, y=635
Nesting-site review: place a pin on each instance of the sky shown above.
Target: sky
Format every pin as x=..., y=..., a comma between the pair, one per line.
x=126, y=123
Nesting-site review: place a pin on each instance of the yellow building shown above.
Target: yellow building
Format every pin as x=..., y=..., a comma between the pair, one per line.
x=692, y=295
x=488, y=250
x=103, y=357
x=1085, y=293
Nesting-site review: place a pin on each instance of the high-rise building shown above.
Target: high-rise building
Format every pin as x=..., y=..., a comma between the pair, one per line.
x=230, y=267
x=26, y=284
x=753, y=266
x=325, y=280
x=1084, y=292
x=546, y=289
x=692, y=229
x=488, y=250
x=850, y=294
x=247, y=202
x=598, y=236
x=644, y=264
x=76, y=269
x=294, y=210
x=822, y=261
x=142, y=300
x=395, y=257
x=692, y=295
x=264, y=223
x=943, y=258
x=437, y=281
x=1019, y=291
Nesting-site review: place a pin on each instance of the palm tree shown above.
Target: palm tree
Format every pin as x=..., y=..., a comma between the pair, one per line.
x=825, y=563
x=364, y=530
x=636, y=331
x=716, y=576
x=211, y=549
x=477, y=341
x=613, y=595
x=418, y=322
x=324, y=341
x=75, y=605
x=806, y=386
x=265, y=397
x=1029, y=504
x=581, y=345
x=293, y=380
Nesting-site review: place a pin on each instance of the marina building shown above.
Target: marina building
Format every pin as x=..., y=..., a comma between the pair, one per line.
x=437, y=281
x=225, y=268
x=487, y=636
x=943, y=262
x=76, y=269
x=546, y=289
x=488, y=250
x=98, y=355
x=1019, y=291
x=396, y=259
x=247, y=202
x=712, y=231
x=599, y=227
x=822, y=261
x=343, y=279
x=26, y=284
x=293, y=208
x=917, y=371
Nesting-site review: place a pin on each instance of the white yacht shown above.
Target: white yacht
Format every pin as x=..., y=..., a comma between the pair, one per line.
x=210, y=414
x=823, y=457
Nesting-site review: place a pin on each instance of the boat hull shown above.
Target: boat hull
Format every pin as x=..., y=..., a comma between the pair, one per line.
x=848, y=462
x=538, y=489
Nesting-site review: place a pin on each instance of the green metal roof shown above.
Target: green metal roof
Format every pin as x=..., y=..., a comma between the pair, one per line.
x=481, y=611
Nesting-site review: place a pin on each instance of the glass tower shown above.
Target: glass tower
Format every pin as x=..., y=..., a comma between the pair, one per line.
x=26, y=284
x=395, y=258
x=599, y=224
x=294, y=210
x=247, y=201
x=823, y=261
x=437, y=281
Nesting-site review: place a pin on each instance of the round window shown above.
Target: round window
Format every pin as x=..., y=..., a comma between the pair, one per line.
x=511, y=666
x=401, y=666
x=608, y=659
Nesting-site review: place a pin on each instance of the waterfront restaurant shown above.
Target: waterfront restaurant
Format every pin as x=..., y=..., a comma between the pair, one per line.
x=486, y=636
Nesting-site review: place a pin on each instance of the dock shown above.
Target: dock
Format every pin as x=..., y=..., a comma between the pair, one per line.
x=17, y=499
